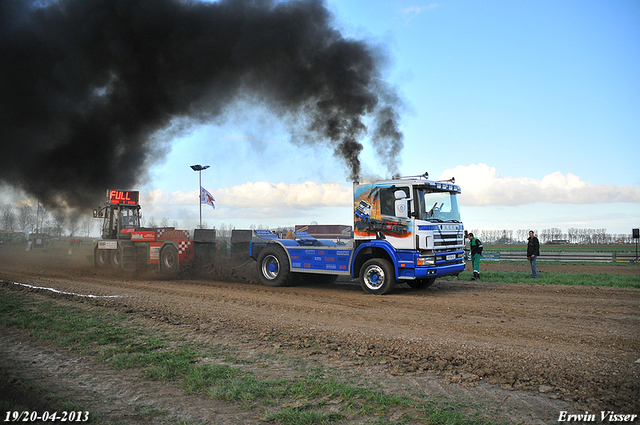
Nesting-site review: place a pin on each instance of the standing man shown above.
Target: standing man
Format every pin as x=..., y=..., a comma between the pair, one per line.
x=476, y=255
x=533, y=251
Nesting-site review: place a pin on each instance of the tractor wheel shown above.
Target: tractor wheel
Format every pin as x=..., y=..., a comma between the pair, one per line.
x=421, y=283
x=169, y=261
x=102, y=258
x=273, y=265
x=116, y=259
x=377, y=276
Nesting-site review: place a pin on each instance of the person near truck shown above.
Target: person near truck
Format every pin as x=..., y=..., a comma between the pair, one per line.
x=533, y=251
x=476, y=255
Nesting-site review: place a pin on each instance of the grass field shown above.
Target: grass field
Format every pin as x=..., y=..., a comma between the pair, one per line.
x=315, y=394
x=549, y=278
x=566, y=248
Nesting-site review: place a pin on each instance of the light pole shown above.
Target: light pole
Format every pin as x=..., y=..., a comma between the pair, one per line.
x=199, y=169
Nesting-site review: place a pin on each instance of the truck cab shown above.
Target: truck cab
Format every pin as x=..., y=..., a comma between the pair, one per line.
x=414, y=224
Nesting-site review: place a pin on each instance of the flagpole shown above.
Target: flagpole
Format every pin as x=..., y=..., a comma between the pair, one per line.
x=199, y=169
x=37, y=216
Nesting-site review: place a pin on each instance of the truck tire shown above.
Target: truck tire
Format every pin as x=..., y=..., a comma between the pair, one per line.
x=102, y=258
x=169, y=261
x=377, y=276
x=421, y=283
x=273, y=266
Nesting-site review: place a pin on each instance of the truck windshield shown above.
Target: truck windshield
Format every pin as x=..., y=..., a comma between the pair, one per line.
x=437, y=206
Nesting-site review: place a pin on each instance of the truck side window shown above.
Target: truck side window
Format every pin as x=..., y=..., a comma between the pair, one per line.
x=387, y=202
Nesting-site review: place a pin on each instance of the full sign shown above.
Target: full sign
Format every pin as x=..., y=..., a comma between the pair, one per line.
x=123, y=197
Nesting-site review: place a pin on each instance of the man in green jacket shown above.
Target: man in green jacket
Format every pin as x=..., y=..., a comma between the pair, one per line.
x=476, y=255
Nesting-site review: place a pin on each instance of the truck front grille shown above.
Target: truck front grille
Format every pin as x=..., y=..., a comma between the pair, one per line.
x=448, y=242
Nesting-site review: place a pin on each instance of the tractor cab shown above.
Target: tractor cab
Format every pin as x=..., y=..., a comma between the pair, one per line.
x=121, y=215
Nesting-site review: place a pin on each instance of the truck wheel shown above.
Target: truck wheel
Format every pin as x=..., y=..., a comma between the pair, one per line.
x=377, y=276
x=169, y=261
x=421, y=283
x=102, y=258
x=273, y=265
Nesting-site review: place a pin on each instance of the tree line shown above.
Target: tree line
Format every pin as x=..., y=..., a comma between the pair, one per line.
x=553, y=235
x=225, y=231
x=59, y=223
x=56, y=223
x=42, y=220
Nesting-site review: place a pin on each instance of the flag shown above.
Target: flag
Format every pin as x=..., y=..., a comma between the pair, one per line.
x=206, y=198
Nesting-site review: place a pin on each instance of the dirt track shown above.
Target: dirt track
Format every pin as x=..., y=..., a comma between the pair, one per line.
x=578, y=345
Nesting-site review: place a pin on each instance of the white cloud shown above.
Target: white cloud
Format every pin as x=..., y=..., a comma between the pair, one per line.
x=408, y=13
x=482, y=185
x=264, y=194
x=273, y=204
x=261, y=195
x=489, y=201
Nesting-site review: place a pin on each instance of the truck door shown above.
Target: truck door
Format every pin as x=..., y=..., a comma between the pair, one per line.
x=396, y=214
x=110, y=224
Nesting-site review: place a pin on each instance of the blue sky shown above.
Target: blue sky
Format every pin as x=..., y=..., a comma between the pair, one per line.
x=533, y=106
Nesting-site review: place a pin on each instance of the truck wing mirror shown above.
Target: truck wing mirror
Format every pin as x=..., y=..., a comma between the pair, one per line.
x=399, y=194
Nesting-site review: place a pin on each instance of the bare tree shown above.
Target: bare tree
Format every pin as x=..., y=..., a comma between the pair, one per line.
x=522, y=235
x=26, y=218
x=222, y=231
x=73, y=223
x=8, y=217
x=42, y=219
x=86, y=224
x=226, y=232
x=59, y=221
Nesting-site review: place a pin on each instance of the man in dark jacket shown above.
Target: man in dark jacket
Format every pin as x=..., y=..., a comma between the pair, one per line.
x=533, y=251
x=476, y=255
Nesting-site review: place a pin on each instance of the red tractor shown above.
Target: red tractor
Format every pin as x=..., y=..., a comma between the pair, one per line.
x=126, y=245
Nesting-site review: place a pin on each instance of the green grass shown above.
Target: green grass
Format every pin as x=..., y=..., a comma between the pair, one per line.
x=547, y=278
x=303, y=416
x=309, y=394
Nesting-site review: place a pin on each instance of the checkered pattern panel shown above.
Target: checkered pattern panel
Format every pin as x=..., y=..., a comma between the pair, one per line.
x=181, y=233
x=183, y=246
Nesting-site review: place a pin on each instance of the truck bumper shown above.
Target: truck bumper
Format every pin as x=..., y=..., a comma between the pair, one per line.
x=438, y=271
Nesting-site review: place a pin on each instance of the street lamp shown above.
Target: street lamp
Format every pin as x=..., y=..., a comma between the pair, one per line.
x=199, y=169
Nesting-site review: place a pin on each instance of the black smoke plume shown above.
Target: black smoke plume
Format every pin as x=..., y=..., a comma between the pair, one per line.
x=86, y=84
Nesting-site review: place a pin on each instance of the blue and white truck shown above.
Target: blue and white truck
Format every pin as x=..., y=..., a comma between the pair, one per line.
x=407, y=229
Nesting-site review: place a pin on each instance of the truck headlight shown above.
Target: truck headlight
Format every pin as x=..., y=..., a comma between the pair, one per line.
x=426, y=261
